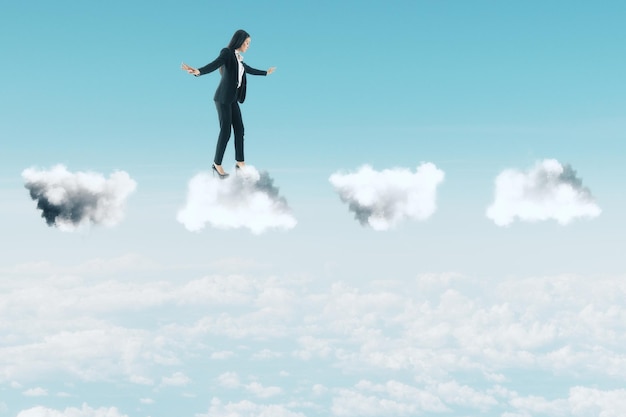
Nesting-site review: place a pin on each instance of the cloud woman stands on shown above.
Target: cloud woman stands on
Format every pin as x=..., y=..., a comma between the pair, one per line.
x=230, y=92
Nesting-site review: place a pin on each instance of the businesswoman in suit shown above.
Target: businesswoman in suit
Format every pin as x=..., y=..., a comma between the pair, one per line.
x=230, y=92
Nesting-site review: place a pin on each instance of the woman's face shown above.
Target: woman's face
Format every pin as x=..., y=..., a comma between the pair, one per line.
x=245, y=45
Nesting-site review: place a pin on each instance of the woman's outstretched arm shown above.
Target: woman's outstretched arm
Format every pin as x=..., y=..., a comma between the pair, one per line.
x=210, y=67
x=254, y=71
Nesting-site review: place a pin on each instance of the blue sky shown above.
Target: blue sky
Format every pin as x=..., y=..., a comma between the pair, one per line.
x=448, y=314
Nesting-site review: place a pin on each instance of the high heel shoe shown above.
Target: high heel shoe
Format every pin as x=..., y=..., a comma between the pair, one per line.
x=222, y=176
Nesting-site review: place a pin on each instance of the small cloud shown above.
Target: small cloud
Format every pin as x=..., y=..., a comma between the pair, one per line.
x=267, y=354
x=384, y=199
x=244, y=200
x=229, y=380
x=141, y=380
x=70, y=200
x=146, y=401
x=319, y=389
x=312, y=347
x=548, y=190
x=178, y=379
x=248, y=408
x=225, y=354
x=261, y=391
x=36, y=392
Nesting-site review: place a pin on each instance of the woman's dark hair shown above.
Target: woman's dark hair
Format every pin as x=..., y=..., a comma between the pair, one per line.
x=238, y=39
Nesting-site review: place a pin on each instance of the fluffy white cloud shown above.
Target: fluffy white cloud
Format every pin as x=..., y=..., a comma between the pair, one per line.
x=229, y=380
x=267, y=354
x=451, y=392
x=584, y=401
x=548, y=190
x=319, y=389
x=224, y=354
x=140, y=380
x=90, y=355
x=390, y=399
x=178, y=379
x=384, y=199
x=247, y=408
x=84, y=411
x=581, y=401
x=36, y=392
x=245, y=200
x=313, y=347
x=70, y=200
x=261, y=391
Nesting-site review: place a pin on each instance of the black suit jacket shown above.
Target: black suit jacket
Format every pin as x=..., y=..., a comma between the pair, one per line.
x=227, y=91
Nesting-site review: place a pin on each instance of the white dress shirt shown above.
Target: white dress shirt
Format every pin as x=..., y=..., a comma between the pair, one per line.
x=241, y=69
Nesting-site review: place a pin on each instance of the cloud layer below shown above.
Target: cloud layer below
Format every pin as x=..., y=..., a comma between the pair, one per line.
x=70, y=200
x=548, y=190
x=436, y=344
x=244, y=200
x=382, y=199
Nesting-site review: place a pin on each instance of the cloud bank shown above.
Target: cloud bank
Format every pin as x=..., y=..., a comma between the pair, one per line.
x=70, y=200
x=435, y=344
x=245, y=200
x=383, y=199
x=548, y=190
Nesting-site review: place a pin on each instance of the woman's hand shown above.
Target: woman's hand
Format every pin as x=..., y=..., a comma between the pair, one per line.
x=190, y=70
x=271, y=70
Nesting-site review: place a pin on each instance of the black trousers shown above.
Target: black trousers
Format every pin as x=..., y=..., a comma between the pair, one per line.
x=230, y=116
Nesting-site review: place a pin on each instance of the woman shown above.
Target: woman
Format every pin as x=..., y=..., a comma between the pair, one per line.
x=230, y=92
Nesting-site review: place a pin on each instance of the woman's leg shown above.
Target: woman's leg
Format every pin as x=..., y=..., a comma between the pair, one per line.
x=224, y=112
x=238, y=129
